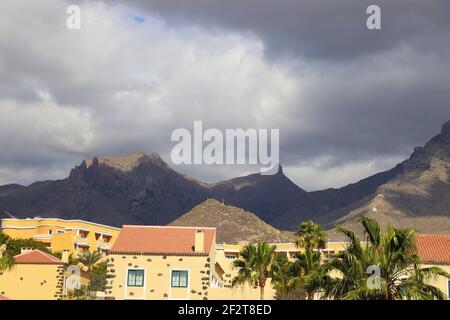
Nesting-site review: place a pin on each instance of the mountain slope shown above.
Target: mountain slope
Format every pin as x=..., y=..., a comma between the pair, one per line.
x=324, y=206
x=233, y=224
x=418, y=198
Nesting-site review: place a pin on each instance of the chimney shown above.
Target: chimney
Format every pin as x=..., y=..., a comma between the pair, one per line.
x=25, y=250
x=199, y=245
x=65, y=256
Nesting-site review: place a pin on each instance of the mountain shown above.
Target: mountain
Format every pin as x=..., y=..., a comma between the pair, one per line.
x=266, y=195
x=326, y=205
x=136, y=189
x=142, y=189
x=415, y=193
x=418, y=198
x=233, y=224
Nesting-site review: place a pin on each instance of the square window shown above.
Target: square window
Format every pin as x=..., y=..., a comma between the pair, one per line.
x=135, y=278
x=179, y=279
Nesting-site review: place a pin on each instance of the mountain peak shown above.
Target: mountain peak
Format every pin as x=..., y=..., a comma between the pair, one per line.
x=280, y=170
x=446, y=127
x=155, y=157
x=126, y=163
x=437, y=149
x=444, y=135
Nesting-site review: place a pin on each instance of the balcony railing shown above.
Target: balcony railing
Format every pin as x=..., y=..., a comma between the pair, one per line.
x=104, y=245
x=81, y=241
x=43, y=236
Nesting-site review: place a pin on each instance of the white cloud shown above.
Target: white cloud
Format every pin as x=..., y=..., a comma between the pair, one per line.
x=317, y=175
x=36, y=132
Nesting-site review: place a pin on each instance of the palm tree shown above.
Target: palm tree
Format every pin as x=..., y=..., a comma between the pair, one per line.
x=308, y=267
x=257, y=263
x=89, y=258
x=310, y=236
x=392, y=256
x=282, y=278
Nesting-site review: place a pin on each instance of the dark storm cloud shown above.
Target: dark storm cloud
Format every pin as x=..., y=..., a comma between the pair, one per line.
x=319, y=29
x=372, y=109
x=374, y=87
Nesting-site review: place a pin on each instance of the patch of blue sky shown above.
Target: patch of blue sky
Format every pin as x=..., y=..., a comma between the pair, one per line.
x=138, y=19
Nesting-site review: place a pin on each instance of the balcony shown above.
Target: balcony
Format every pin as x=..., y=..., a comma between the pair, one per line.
x=80, y=241
x=104, y=245
x=42, y=237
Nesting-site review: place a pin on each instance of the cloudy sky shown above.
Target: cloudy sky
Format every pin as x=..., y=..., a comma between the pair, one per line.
x=349, y=102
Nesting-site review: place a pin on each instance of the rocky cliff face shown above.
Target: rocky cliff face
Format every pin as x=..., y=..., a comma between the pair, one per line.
x=134, y=189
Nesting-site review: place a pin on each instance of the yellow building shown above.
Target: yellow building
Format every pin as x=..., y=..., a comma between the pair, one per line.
x=434, y=250
x=152, y=262
x=59, y=235
x=35, y=275
x=227, y=253
x=231, y=251
x=155, y=262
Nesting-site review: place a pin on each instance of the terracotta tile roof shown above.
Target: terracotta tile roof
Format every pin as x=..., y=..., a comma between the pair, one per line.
x=36, y=257
x=434, y=248
x=3, y=298
x=168, y=240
